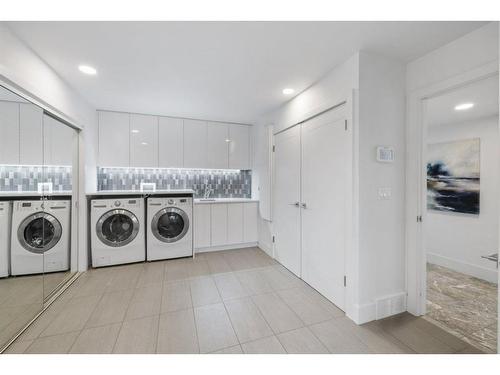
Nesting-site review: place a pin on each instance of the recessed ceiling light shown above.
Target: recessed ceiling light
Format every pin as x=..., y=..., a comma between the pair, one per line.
x=288, y=91
x=464, y=106
x=135, y=131
x=87, y=70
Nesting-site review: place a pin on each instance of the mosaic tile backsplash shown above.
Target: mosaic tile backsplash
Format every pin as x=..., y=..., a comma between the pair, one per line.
x=26, y=177
x=223, y=183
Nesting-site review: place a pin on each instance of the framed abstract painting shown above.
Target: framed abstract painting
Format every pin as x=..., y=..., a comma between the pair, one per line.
x=453, y=176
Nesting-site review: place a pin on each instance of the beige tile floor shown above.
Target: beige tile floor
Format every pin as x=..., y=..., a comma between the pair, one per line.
x=463, y=305
x=238, y=301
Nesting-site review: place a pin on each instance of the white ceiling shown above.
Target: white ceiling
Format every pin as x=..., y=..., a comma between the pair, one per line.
x=232, y=71
x=440, y=110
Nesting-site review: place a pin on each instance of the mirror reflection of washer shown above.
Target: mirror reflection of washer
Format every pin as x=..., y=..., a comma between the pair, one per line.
x=5, y=218
x=40, y=237
x=169, y=232
x=117, y=231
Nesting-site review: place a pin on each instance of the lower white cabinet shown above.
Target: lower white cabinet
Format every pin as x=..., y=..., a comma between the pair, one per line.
x=234, y=223
x=250, y=222
x=219, y=224
x=202, y=225
x=225, y=224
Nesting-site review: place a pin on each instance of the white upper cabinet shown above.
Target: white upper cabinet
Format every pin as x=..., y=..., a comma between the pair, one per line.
x=143, y=141
x=195, y=144
x=170, y=142
x=30, y=134
x=239, y=146
x=114, y=139
x=217, y=145
x=58, y=142
x=9, y=132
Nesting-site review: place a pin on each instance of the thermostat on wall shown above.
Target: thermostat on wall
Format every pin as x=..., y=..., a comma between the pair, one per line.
x=385, y=154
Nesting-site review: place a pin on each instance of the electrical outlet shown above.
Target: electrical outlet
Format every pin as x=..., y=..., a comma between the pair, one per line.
x=384, y=193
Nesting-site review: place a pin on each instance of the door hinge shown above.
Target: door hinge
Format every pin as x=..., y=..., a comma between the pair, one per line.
x=273, y=239
x=345, y=124
x=345, y=281
x=274, y=148
x=419, y=219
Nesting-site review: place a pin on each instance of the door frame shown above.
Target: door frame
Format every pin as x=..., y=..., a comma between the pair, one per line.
x=350, y=103
x=416, y=136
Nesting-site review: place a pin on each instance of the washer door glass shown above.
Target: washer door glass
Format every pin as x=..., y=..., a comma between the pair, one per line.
x=117, y=227
x=170, y=224
x=39, y=232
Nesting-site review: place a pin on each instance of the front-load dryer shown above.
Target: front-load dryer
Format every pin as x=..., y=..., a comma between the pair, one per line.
x=5, y=219
x=117, y=231
x=40, y=237
x=170, y=228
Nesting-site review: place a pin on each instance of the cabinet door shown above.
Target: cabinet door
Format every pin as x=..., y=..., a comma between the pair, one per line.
x=9, y=133
x=195, y=144
x=239, y=146
x=114, y=139
x=217, y=145
x=250, y=222
x=58, y=142
x=170, y=142
x=30, y=134
x=219, y=224
x=201, y=225
x=234, y=223
x=143, y=141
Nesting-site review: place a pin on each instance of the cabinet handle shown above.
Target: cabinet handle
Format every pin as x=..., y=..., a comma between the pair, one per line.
x=296, y=204
x=304, y=206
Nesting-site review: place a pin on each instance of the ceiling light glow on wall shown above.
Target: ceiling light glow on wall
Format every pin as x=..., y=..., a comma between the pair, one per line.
x=288, y=91
x=464, y=106
x=87, y=70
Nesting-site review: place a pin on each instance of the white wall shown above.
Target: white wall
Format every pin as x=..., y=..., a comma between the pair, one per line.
x=22, y=70
x=381, y=222
x=376, y=261
x=458, y=241
x=456, y=63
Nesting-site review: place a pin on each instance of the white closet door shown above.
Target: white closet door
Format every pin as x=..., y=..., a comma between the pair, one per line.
x=325, y=161
x=170, y=142
x=217, y=145
x=287, y=198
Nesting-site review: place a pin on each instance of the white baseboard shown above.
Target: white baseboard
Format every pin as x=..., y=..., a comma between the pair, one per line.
x=482, y=273
x=267, y=248
x=225, y=247
x=383, y=307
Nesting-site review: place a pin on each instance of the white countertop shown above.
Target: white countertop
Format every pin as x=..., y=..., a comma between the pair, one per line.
x=224, y=200
x=138, y=192
x=15, y=194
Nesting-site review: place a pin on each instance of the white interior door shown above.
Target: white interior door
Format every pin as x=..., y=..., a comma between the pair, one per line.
x=325, y=163
x=287, y=198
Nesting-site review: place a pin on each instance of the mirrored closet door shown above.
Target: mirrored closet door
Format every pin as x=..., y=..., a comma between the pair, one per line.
x=38, y=165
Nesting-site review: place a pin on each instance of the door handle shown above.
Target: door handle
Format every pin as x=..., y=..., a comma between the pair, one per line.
x=304, y=206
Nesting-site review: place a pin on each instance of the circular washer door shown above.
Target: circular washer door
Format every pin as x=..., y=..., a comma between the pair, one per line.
x=117, y=228
x=170, y=224
x=39, y=232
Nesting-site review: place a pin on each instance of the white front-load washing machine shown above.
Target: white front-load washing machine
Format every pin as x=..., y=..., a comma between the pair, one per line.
x=170, y=228
x=40, y=236
x=5, y=220
x=117, y=231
